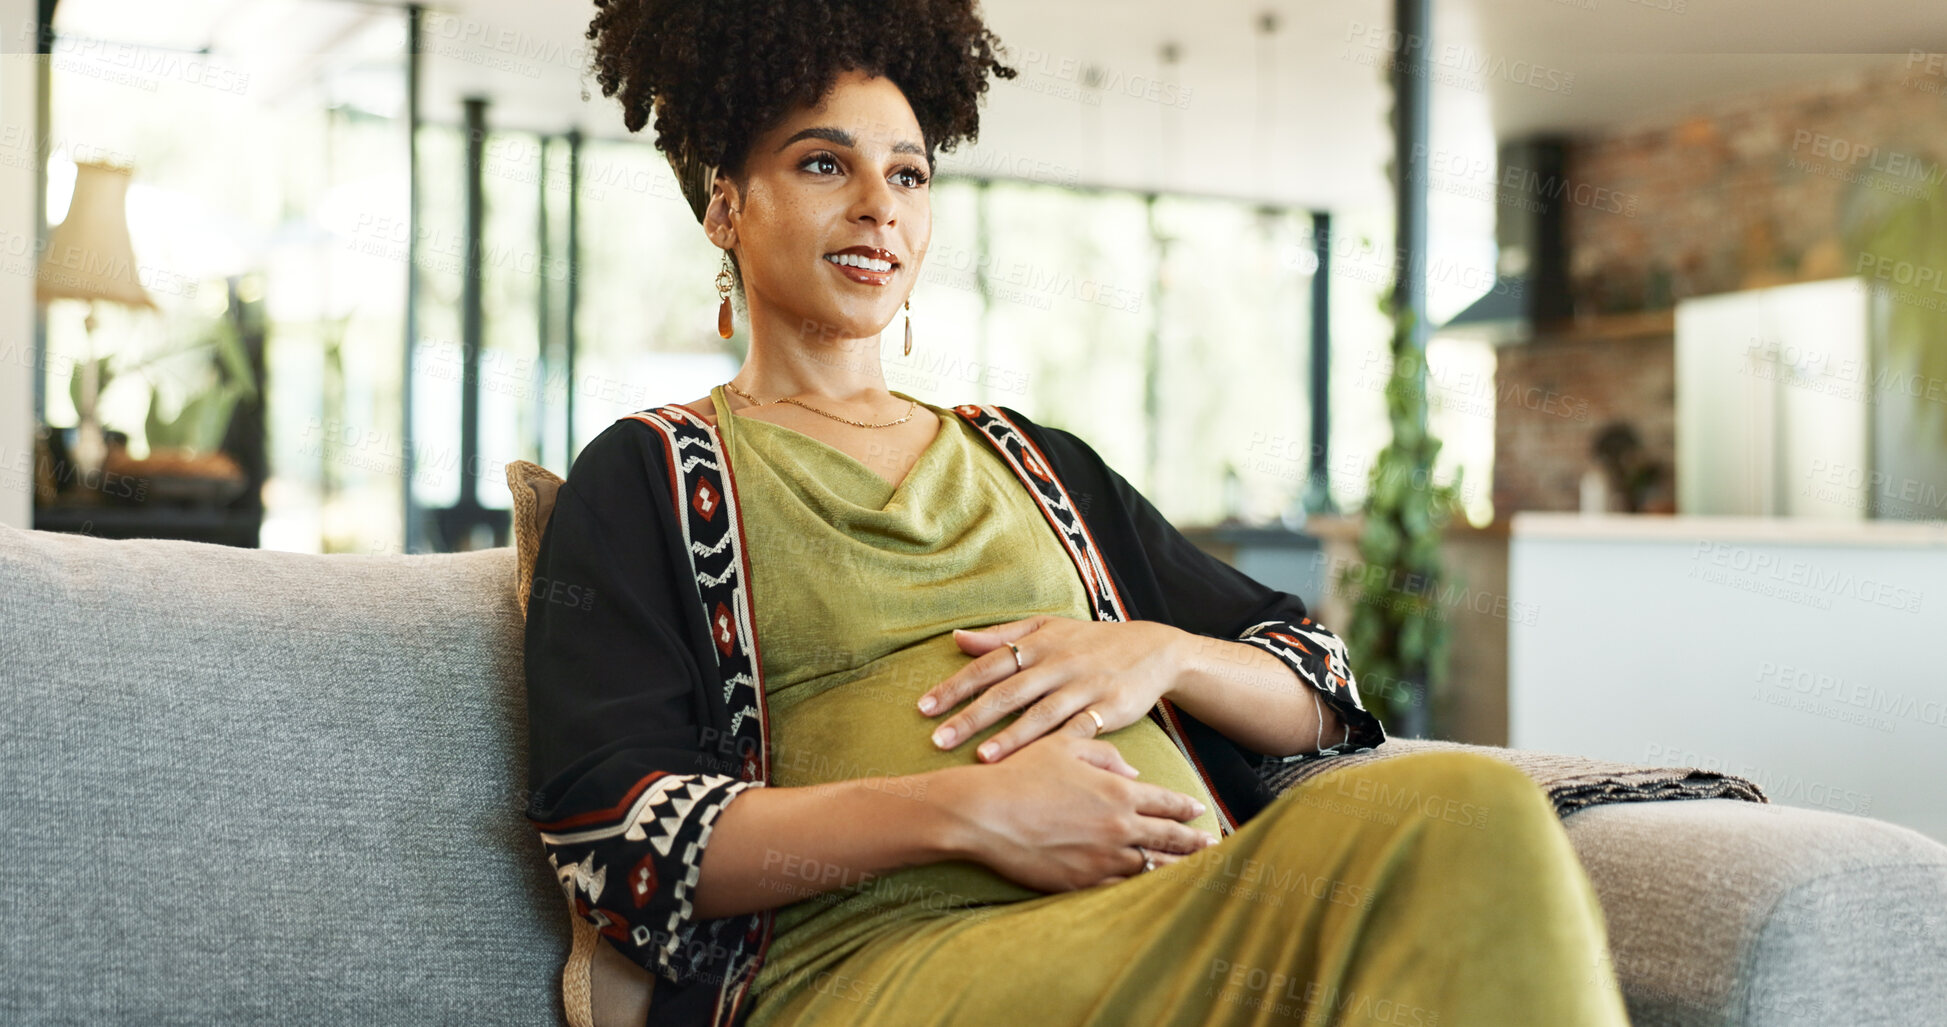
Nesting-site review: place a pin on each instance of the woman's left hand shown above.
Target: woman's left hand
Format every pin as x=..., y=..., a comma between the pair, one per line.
x=1117, y=668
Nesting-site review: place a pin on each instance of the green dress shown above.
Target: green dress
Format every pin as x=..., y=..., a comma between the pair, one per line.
x=1331, y=905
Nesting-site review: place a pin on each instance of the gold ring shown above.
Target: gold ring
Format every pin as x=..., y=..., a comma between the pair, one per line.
x=1097, y=717
x=1149, y=863
x=1016, y=650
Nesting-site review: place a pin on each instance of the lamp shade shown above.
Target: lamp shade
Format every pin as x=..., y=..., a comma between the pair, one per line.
x=89, y=256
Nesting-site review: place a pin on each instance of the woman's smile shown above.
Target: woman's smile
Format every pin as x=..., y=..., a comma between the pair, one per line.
x=867, y=265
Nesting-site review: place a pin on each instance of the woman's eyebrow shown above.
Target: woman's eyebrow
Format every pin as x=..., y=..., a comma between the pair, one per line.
x=841, y=137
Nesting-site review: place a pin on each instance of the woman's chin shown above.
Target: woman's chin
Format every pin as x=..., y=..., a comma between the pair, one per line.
x=839, y=324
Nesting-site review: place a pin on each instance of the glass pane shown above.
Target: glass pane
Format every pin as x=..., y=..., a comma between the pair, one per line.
x=647, y=317
x=950, y=362
x=1068, y=277
x=1362, y=275
x=512, y=273
x=436, y=363
x=1234, y=374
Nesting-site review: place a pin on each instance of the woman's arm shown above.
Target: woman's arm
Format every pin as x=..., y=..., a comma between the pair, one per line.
x=1064, y=813
x=1226, y=611
x=775, y=846
x=626, y=779
x=1245, y=692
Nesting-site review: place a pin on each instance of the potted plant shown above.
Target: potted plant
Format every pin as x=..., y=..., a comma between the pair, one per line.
x=1397, y=637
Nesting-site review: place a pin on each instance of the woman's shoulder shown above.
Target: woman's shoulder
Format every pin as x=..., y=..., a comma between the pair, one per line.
x=622, y=463
x=704, y=409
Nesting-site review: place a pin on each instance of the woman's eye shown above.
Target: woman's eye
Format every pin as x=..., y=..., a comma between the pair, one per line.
x=820, y=160
x=914, y=177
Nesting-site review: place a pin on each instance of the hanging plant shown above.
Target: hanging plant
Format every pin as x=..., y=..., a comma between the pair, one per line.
x=1397, y=636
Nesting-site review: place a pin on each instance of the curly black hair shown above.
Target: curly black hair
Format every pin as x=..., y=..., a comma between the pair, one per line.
x=718, y=73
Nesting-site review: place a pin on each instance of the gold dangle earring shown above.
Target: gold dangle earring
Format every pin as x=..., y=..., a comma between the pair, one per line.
x=723, y=290
x=909, y=326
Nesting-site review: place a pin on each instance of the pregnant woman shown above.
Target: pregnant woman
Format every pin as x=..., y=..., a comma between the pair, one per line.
x=849, y=708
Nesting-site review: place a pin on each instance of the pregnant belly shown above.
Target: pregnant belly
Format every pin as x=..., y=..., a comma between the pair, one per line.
x=863, y=723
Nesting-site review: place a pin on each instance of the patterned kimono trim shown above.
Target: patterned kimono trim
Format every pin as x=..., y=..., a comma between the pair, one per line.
x=1318, y=657
x=703, y=487
x=1032, y=468
x=662, y=812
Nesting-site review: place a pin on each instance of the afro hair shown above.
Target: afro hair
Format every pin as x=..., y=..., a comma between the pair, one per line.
x=717, y=73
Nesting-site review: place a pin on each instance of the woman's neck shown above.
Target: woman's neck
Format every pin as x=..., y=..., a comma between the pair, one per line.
x=810, y=364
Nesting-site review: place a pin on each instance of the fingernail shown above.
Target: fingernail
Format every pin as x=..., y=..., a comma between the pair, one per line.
x=988, y=750
x=1197, y=806
x=1209, y=839
x=943, y=737
x=926, y=704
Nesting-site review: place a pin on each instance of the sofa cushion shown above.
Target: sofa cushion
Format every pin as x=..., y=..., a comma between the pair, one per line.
x=258, y=787
x=533, y=488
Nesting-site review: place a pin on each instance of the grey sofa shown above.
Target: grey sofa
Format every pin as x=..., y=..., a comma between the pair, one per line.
x=257, y=787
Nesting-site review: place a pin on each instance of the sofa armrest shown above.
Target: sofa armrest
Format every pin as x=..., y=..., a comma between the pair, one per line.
x=1728, y=912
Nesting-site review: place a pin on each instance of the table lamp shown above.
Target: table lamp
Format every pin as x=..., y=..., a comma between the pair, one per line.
x=89, y=257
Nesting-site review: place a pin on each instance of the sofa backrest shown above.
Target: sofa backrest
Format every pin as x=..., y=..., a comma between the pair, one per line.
x=255, y=787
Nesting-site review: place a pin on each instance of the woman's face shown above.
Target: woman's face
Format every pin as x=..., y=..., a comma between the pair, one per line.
x=844, y=181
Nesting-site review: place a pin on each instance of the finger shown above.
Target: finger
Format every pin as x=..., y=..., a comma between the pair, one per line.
x=1003, y=633
x=1111, y=879
x=1056, y=705
x=1100, y=754
x=1157, y=801
x=977, y=675
x=996, y=702
x=1160, y=835
x=982, y=642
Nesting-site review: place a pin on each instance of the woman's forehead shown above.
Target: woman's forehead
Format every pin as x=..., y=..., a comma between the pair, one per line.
x=860, y=112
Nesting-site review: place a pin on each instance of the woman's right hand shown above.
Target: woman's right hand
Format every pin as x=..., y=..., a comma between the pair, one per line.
x=1064, y=812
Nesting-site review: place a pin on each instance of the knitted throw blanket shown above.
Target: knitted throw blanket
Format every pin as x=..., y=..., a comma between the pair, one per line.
x=1572, y=782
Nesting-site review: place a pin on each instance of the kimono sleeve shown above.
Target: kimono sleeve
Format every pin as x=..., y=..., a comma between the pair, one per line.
x=1206, y=596
x=622, y=788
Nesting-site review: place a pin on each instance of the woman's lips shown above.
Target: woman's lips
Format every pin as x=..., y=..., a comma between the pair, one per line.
x=862, y=275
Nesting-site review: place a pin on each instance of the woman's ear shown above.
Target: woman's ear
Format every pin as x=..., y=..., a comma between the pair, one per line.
x=717, y=223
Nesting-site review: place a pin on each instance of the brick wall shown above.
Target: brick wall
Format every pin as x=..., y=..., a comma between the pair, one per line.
x=1556, y=393
x=1739, y=194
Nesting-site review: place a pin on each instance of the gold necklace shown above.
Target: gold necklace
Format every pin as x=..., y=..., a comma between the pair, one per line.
x=786, y=399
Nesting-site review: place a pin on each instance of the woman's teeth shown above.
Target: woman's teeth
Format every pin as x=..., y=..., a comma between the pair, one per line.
x=854, y=260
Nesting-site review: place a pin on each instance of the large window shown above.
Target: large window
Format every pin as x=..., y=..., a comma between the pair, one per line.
x=1172, y=333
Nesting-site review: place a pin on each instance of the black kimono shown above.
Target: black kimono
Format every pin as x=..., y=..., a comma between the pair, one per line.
x=646, y=710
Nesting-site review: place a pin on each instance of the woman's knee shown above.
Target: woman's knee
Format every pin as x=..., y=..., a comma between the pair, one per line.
x=1460, y=789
